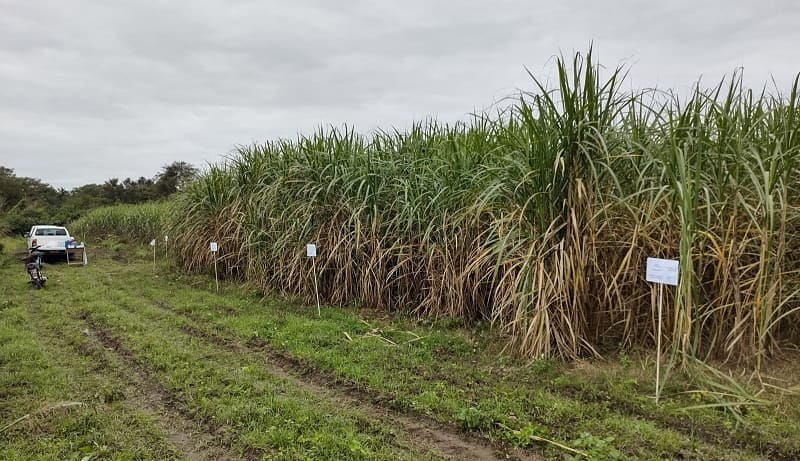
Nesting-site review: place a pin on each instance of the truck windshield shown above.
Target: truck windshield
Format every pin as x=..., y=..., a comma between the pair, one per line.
x=50, y=231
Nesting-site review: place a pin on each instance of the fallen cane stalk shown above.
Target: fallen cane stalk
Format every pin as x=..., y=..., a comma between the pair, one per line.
x=39, y=412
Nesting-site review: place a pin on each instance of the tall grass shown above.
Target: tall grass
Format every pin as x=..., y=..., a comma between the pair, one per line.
x=137, y=223
x=538, y=219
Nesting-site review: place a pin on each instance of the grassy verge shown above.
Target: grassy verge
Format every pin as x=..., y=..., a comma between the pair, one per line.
x=266, y=412
x=55, y=403
x=258, y=414
x=207, y=350
x=460, y=377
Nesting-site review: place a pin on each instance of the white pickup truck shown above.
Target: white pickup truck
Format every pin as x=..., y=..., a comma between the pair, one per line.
x=50, y=239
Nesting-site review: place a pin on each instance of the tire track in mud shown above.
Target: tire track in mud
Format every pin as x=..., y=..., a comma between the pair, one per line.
x=413, y=438
x=421, y=430
x=196, y=440
x=297, y=369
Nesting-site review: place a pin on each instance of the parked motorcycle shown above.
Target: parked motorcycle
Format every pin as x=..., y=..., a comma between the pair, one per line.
x=33, y=264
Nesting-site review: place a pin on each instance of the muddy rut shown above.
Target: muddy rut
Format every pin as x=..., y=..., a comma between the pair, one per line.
x=422, y=431
x=194, y=439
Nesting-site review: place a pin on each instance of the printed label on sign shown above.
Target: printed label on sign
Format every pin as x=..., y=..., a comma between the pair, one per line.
x=311, y=250
x=214, y=247
x=153, y=242
x=664, y=271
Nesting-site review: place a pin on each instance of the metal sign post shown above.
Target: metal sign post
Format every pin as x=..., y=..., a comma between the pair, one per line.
x=214, y=247
x=663, y=272
x=311, y=252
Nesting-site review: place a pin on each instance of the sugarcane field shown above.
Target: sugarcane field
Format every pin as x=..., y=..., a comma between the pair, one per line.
x=600, y=263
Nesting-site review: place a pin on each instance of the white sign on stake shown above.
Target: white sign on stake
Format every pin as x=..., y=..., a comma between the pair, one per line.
x=166, y=238
x=153, y=244
x=663, y=271
x=311, y=252
x=213, y=247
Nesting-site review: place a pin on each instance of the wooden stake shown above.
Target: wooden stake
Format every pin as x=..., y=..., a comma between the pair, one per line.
x=316, y=289
x=216, y=276
x=658, y=341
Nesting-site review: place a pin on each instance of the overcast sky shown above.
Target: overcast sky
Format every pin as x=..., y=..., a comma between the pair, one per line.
x=95, y=89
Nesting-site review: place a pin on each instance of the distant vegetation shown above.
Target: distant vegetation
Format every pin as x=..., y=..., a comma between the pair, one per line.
x=538, y=219
x=28, y=201
x=137, y=223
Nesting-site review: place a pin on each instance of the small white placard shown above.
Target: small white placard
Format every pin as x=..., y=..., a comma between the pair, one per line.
x=166, y=238
x=311, y=250
x=664, y=271
x=153, y=242
x=214, y=247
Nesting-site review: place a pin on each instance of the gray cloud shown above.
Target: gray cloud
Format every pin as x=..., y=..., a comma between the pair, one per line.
x=91, y=90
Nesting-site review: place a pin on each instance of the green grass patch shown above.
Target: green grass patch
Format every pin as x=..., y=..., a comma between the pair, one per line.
x=455, y=375
x=263, y=412
x=459, y=377
x=55, y=404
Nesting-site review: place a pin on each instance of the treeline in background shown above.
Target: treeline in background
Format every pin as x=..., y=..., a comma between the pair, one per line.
x=27, y=201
